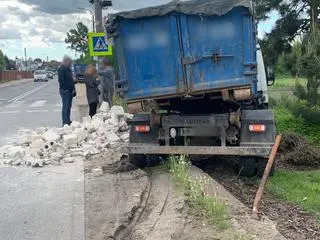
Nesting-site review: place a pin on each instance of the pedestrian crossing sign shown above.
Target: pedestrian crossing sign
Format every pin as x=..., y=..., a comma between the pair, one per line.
x=98, y=45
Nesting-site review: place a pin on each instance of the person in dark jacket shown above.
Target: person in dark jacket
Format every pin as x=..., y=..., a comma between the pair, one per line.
x=92, y=82
x=66, y=88
x=107, y=82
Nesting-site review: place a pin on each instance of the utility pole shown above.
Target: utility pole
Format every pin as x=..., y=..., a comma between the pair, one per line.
x=25, y=57
x=98, y=15
x=98, y=5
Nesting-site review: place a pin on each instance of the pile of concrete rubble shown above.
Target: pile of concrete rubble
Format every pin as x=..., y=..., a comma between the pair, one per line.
x=43, y=146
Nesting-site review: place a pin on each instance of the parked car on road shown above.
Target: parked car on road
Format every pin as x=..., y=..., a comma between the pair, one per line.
x=50, y=74
x=40, y=75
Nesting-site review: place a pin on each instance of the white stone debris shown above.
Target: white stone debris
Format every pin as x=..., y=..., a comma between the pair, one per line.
x=106, y=131
x=51, y=136
x=104, y=107
x=97, y=172
x=70, y=140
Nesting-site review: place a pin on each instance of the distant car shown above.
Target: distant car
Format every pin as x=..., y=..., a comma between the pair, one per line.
x=40, y=75
x=50, y=74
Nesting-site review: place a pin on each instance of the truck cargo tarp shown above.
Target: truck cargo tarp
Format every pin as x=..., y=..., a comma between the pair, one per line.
x=193, y=7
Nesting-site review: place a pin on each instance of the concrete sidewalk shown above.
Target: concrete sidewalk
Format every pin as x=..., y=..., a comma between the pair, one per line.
x=15, y=82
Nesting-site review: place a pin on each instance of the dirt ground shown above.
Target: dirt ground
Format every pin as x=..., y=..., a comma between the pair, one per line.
x=293, y=222
x=147, y=205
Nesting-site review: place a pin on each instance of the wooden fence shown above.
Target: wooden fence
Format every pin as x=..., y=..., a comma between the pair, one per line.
x=10, y=75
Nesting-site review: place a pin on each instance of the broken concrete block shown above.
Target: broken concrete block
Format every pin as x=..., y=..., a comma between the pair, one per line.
x=118, y=110
x=16, y=152
x=114, y=120
x=76, y=152
x=37, y=144
x=8, y=161
x=47, y=161
x=56, y=156
x=104, y=107
x=66, y=129
x=86, y=121
x=81, y=134
x=70, y=140
x=112, y=137
x=51, y=136
x=75, y=125
x=97, y=121
x=68, y=160
x=96, y=172
x=125, y=137
x=128, y=116
x=123, y=126
x=37, y=162
x=41, y=130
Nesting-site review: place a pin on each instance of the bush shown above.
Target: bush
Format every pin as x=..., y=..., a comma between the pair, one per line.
x=296, y=150
x=300, y=92
x=297, y=116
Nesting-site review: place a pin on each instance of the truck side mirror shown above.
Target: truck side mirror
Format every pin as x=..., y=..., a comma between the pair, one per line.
x=271, y=77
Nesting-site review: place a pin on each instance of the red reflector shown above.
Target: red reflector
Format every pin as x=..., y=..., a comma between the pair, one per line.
x=142, y=128
x=257, y=128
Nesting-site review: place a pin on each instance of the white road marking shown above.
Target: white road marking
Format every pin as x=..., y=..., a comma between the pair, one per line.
x=59, y=110
x=59, y=104
x=28, y=93
x=39, y=103
x=37, y=111
x=15, y=104
x=9, y=112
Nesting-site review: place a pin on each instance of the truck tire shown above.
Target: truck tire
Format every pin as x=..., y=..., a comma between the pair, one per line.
x=138, y=160
x=247, y=167
x=261, y=165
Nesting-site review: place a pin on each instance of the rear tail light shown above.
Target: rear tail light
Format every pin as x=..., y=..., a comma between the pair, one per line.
x=142, y=128
x=257, y=128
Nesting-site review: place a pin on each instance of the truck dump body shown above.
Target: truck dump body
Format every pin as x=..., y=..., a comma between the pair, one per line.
x=185, y=49
x=189, y=73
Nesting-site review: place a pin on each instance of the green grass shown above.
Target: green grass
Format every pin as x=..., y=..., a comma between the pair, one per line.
x=288, y=82
x=299, y=187
x=286, y=121
x=201, y=204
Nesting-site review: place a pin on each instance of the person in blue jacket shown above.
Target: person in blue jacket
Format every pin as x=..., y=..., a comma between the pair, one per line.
x=66, y=88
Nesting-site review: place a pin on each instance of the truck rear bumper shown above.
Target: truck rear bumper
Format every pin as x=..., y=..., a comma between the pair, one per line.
x=261, y=151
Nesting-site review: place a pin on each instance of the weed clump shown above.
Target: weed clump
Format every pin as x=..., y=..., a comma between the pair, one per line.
x=296, y=150
x=200, y=203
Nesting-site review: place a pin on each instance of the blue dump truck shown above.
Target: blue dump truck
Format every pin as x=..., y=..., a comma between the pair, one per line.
x=193, y=75
x=78, y=72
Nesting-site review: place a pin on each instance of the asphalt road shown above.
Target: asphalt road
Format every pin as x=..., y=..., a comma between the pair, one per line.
x=38, y=203
x=29, y=105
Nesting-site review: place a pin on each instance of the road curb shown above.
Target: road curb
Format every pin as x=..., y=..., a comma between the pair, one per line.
x=15, y=82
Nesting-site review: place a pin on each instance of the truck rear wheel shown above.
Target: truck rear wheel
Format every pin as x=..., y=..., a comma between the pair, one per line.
x=247, y=167
x=261, y=165
x=138, y=160
x=142, y=160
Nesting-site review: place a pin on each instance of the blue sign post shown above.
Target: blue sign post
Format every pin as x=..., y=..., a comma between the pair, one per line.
x=98, y=46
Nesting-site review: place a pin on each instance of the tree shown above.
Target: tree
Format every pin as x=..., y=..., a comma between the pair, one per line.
x=296, y=17
x=37, y=60
x=310, y=65
x=2, y=61
x=78, y=38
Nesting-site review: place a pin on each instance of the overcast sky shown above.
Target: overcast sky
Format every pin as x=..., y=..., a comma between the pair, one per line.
x=41, y=25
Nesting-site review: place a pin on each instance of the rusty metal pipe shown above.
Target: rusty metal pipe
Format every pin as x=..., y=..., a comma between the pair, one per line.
x=257, y=200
